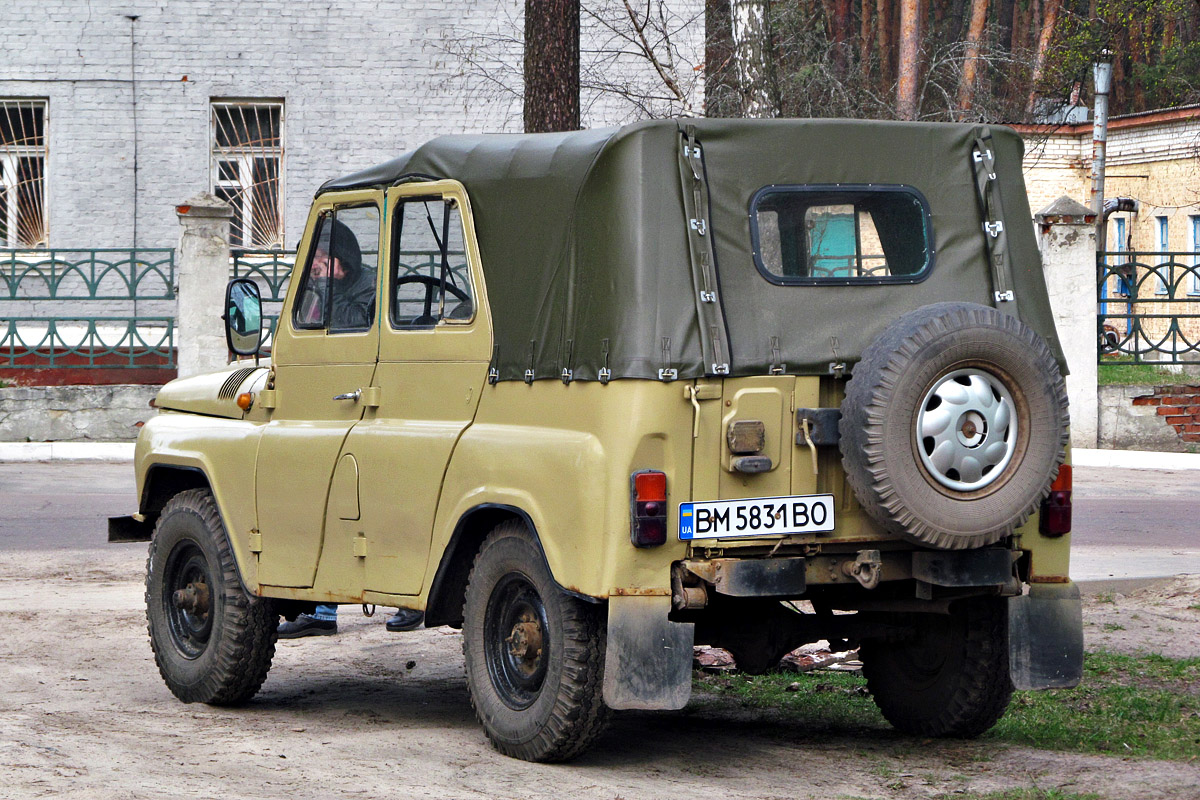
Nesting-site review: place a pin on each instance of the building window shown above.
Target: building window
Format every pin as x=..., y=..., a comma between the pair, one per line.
x=1123, y=287
x=1163, y=271
x=22, y=173
x=247, y=161
x=1194, y=247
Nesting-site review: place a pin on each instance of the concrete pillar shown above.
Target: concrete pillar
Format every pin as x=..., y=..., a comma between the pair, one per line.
x=1068, y=241
x=203, y=272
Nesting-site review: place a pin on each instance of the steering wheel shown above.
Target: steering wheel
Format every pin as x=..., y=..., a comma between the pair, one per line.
x=432, y=287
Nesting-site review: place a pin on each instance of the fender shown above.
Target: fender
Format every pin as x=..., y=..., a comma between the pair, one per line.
x=446, y=593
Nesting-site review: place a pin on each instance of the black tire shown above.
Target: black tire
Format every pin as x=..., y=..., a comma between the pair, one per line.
x=891, y=467
x=951, y=678
x=535, y=703
x=216, y=645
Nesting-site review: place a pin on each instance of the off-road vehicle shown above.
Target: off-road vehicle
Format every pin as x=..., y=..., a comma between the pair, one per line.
x=597, y=397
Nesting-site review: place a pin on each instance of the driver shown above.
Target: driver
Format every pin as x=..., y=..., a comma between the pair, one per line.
x=339, y=268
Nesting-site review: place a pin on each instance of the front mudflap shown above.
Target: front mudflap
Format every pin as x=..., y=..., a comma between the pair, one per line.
x=1045, y=637
x=648, y=661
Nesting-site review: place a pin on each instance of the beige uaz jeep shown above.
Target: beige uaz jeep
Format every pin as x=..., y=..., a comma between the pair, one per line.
x=597, y=397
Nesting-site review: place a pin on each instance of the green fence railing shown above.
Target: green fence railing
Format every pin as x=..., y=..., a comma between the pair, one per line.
x=1149, y=307
x=87, y=308
x=87, y=342
x=102, y=274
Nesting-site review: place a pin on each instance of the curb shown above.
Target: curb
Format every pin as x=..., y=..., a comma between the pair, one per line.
x=66, y=451
x=1134, y=459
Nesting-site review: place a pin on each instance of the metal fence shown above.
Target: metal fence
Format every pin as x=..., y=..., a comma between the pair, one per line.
x=96, y=308
x=116, y=307
x=1149, y=307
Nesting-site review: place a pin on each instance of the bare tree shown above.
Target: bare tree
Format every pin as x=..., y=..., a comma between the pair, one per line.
x=551, y=65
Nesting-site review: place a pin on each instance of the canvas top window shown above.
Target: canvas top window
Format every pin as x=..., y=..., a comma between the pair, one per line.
x=22, y=173
x=431, y=282
x=247, y=169
x=841, y=234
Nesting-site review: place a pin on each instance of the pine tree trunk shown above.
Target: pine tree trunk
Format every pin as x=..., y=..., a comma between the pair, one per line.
x=910, y=54
x=966, y=86
x=866, y=38
x=1043, y=47
x=551, y=65
x=841, y=35
x=884, y=15
x=751, y=48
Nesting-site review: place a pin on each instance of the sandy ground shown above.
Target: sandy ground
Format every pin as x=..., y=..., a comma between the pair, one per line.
x=84, y=714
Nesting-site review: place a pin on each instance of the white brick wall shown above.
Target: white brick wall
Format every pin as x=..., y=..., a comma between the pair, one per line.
x=362, y=81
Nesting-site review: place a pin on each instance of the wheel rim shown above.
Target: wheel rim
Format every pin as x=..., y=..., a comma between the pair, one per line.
x=515, y=641
x=966, y=429
x=187, y=598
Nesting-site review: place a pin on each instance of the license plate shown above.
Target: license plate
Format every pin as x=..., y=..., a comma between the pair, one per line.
x=762, y=516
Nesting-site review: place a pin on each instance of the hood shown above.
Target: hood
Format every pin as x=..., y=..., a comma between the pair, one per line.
x=213, y=394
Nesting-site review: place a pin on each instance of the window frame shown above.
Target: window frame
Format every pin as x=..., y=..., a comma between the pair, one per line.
x=848, y=188
x=326, y=327
x=244, y=187
x=1194, y=247
x=10, y=171
x=395, y=234
x=1162, y=238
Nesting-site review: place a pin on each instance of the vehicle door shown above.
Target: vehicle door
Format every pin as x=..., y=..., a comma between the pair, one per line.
x=324, y=352
x=434, y=348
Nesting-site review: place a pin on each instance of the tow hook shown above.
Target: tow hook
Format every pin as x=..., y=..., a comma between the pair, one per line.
x=865, y=569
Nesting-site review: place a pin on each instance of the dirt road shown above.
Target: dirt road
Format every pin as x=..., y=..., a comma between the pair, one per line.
x=371, y=714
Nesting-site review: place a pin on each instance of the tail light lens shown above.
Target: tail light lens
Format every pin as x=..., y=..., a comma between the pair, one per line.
x=648, y=501
x=1055, y=518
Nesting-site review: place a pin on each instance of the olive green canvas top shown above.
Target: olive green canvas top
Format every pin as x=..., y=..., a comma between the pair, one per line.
x=618, y=250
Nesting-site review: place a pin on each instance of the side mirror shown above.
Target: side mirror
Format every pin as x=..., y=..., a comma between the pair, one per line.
x=243, y=317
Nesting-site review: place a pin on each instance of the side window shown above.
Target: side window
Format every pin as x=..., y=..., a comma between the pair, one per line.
x=342, y=275
x=431, y=282
x=843, y=234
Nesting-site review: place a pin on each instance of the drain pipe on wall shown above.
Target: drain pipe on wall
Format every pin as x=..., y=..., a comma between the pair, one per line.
x=1102, y=77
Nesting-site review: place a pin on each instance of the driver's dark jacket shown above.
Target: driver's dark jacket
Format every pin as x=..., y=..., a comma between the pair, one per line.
x=353, y=301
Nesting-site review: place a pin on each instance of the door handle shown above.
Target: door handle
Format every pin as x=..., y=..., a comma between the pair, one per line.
x=357, y=393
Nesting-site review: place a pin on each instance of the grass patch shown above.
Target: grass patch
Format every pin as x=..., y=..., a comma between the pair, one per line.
x=1124, y=374
x=1110, y=627
x=1127, y=705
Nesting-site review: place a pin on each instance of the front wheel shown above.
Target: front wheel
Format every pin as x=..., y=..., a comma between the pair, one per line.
x=534, y=655
x=213, y=642
x=950, y=678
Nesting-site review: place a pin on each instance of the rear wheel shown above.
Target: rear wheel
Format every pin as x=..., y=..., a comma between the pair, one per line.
x=950, y=678
x=213, y=642
x=534, y=655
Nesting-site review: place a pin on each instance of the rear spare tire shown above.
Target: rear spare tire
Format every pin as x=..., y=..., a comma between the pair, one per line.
x=954, y=425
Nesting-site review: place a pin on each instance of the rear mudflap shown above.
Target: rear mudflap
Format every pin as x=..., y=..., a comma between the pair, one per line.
x=1045, y=637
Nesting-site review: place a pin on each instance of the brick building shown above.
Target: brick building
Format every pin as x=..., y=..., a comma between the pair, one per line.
x=1153, y=157
x=113, y=112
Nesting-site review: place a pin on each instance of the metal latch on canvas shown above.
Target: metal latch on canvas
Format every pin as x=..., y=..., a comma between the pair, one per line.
x=1005, y=297
x=993, y=229
x=698, y=225
x=708, y=297
x=668, y=374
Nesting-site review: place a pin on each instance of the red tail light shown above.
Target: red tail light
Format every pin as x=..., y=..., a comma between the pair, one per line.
x=649, y=509
x=1055, y=519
